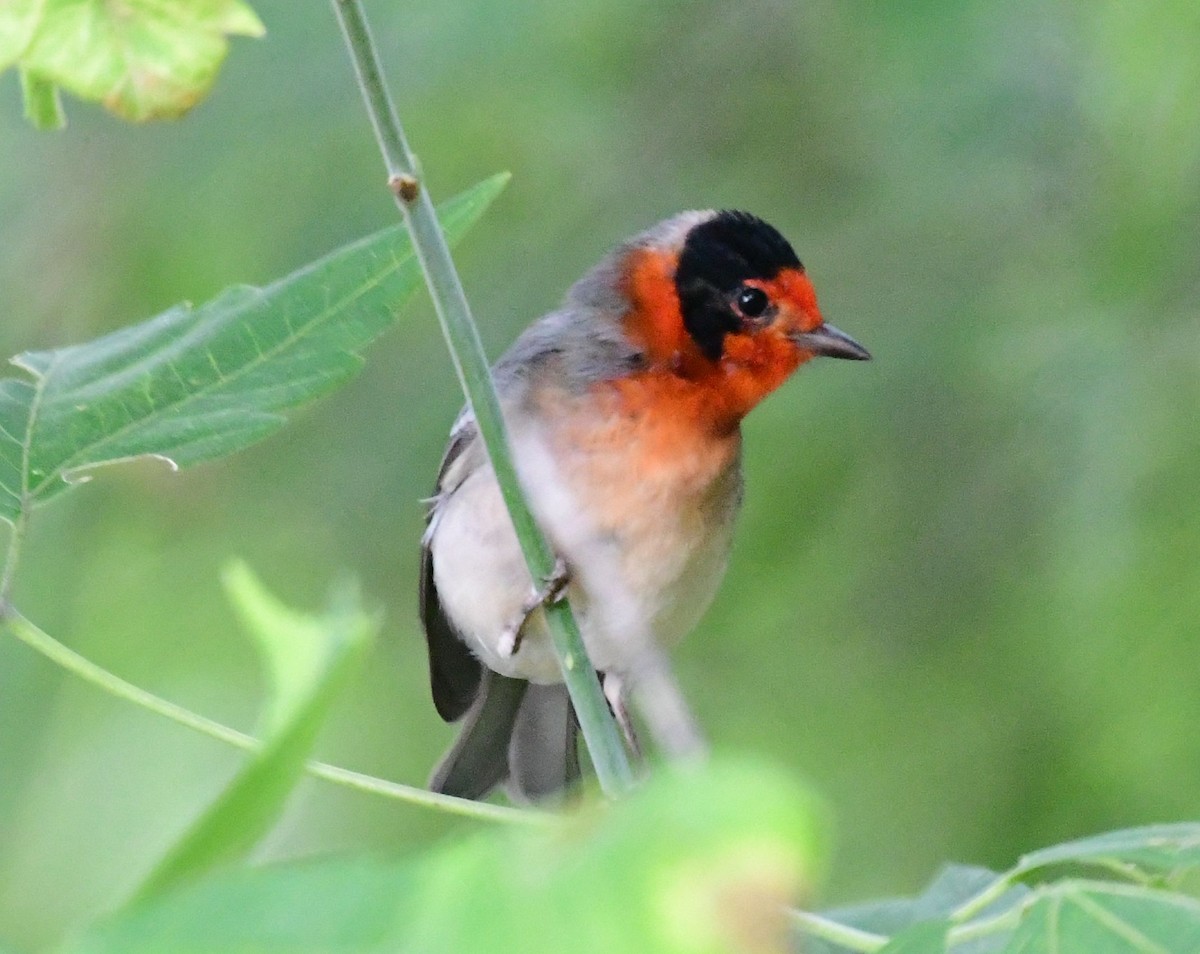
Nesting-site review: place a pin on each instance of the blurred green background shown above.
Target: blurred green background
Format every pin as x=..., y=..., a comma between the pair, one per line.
x=966, y=586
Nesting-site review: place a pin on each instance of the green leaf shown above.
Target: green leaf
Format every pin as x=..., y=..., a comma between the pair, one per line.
x=952, y=886
x=928, y=937
x=338, y=906
x=1092, y=917
x=18, y=20
x=196, y=384
x=306, y=659
x=1153, y=847
x=697, y=861
x=142, y=59
x=955, y=884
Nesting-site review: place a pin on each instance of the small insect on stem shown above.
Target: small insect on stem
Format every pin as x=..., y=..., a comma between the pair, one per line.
x=404, y=186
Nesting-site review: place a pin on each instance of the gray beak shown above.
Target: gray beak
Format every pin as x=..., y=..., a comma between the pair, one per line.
x=828, y=341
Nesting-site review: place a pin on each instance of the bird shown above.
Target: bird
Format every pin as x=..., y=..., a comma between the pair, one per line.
x=623, y=408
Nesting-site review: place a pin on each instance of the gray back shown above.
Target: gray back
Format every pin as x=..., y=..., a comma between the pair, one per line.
x=583, y=340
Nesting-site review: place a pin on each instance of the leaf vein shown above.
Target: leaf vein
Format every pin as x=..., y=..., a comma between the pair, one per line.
x=295, y=334
x=1116, y=925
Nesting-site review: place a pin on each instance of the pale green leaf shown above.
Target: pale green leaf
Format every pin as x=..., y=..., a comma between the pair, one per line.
x=1093, y=917
x=950, y=888
x=1153, y=847
x=195, y=384
x=295, y=648
x=18, y=20
x=697, y=861
x=142, y=59
x=306, y=659
x=928, y=937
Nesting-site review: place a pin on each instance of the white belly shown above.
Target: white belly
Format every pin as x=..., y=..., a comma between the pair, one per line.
x=646, y=574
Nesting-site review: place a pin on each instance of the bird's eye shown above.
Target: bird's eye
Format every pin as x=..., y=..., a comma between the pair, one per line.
x=751, y=301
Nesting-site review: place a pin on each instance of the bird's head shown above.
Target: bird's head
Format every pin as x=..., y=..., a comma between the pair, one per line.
x=721, y=299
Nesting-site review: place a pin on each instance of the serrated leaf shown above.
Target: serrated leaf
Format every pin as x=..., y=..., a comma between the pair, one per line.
x=195, y=384
x=306, y=659
x=1153, y=847
x=142, y=59
x=680, y=867
x=1094, y=917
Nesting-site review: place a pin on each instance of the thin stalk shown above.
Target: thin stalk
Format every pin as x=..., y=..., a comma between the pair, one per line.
x=454, y=314
x=976, y=903
x=43, y=104
x=1005, y=921
x=865, y=941
x=40, y=641
x=836, y=933
x=16, y=537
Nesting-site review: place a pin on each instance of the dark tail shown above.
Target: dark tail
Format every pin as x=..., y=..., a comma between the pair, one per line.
x=515, y=731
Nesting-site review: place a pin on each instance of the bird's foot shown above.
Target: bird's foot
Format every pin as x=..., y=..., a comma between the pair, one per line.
x=553, y=589
x=615, y=692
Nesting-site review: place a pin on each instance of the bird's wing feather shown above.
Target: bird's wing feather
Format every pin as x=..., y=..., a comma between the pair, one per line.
x=454, y=672
x=478, y=760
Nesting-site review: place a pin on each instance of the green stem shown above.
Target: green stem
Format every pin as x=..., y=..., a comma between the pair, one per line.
x=837, y=933
x=43, y=105
x=454, y=314
x=973, y=905
x=985, y=926
x=40, y=641
x=858, y=940
x=16, y=537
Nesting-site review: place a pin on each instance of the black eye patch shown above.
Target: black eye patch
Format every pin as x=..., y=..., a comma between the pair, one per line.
x=718, y=256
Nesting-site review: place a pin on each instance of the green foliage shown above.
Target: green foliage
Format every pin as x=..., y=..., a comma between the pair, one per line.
x=142, y=59
x=1158, y=848
x=307, y=659
x=1088, y=917
x=974, y=911
x=920, y=924
x=928, y=937
x=680, y=867
x=195, y=384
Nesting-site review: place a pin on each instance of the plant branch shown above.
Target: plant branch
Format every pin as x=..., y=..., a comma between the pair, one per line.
x=837, y=933
x=1003, y=921
x=973, y=905
x=16, y=537
x=867, y=942
x=595, y=720
x=43, y=104
x=40, y=641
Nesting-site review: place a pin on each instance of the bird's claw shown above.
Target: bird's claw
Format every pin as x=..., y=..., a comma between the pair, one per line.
x=554, y=588
x=614, y=691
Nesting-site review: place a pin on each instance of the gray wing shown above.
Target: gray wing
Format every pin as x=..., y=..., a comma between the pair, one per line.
x=454, y=672
x=576, y=345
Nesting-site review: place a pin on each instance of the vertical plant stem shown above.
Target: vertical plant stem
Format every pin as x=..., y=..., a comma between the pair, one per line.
x=16, y=537
x=43, y=105
x=596, y=722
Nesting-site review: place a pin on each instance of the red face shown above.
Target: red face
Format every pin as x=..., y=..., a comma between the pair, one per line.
x=773, y=326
